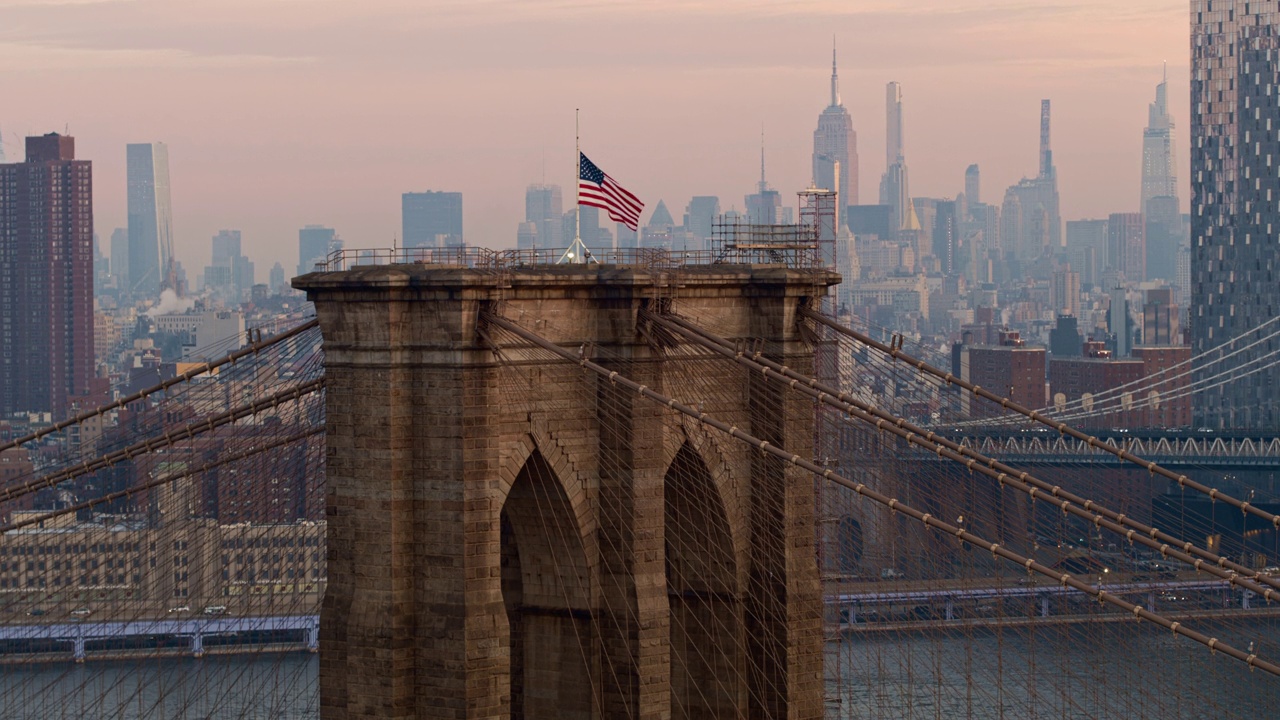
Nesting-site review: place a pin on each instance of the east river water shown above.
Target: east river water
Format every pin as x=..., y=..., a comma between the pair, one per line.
x=1097, y=671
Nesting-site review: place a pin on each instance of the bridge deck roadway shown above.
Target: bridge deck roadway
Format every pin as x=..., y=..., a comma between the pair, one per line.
x=874, y=597
x=197, y=629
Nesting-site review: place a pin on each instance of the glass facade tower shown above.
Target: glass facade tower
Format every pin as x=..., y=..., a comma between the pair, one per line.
x=150, y=217
x=1235, y=196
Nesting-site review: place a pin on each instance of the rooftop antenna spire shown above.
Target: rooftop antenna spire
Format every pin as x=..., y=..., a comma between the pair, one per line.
x=763, y=185
x=1166, y=71
x=835, y=81
x=1046, y=154
x=2, y=160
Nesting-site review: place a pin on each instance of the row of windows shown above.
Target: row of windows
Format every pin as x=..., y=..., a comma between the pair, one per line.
x=67, y=581
x=277, y=542
x=249, y=575
x=242, y=559
x=74, y=548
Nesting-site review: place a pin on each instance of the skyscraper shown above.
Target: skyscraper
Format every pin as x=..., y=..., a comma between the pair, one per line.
x=1032, y=224
x=431, y=219
x=893, y=123
x=1235, y=220
x=836, y=142
x=46, y=279
x=1159, y=161
x=120, y=258
x=894, y=187
x=946, y=238
x=1127, y=246
x=150, y=217
x=763, y=206
x=544, y=207
x=627, y=238
x=315, y=242
x=973, y=185
x=658, y=231
x=1046, y=150
x=1160, y=206
x=276, y=280
x=527, y=236
x=597, y=239
x=230, y=273
x=700, y=217
x=1087, y=248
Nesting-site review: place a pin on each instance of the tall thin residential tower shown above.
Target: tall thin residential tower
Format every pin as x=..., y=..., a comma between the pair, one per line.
x=836, y=143
x=1159, y=161
x=1032, y=224
x=150, y=217
x=893, y=123
x=894, y=187
x=1235, y=219
x=1160, y=206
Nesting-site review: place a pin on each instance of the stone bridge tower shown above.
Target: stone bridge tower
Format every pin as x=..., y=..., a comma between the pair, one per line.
x=510, y=538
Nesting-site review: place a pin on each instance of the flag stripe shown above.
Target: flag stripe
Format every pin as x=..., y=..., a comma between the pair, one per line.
x=622, y=196
x=628, y=222
x=593, y=195
x=631, y=220
x=631, y=215
x=596, y=189
x=613, y=215
x=604, y=195
x=610, y=182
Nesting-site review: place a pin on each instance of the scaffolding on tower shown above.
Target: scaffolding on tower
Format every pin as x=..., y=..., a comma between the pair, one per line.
x=809, y=244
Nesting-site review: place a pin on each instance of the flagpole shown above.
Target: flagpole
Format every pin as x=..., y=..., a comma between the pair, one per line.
x=577, y=251
x=577, y=172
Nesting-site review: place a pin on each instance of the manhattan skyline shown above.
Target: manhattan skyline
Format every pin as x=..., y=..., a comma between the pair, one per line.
x=271, y=117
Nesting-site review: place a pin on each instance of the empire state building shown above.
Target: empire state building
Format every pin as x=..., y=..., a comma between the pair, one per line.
x=835, y=142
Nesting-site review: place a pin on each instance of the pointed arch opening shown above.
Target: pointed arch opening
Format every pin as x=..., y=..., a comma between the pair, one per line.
x=707, y=643
x=547, y=594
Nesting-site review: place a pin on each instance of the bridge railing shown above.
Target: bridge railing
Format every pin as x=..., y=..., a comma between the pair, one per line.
x=496, y=260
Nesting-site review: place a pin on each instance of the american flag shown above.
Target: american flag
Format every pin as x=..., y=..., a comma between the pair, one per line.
x=599, y=190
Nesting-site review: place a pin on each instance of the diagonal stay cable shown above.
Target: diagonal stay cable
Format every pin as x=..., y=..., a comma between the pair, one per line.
x=893, y=504
x=168, y=438
x=1152, y=538
x=204, y=467
x=181, y=377
x=1063, y=428
x=1200, y=366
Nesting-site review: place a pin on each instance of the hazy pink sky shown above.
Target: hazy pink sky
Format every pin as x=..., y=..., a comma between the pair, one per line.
x=281, y=113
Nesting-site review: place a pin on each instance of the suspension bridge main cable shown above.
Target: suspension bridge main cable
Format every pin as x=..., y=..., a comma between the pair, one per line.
x=893, y=504
x=1022, y=481
x=1147, y=381
x=181, y=377
x=186, y=432
x=1062, y=428
x=1110, y=403
x=154, y=482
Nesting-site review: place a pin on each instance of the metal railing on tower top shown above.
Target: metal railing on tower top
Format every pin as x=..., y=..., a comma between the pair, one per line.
x=786, y=249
